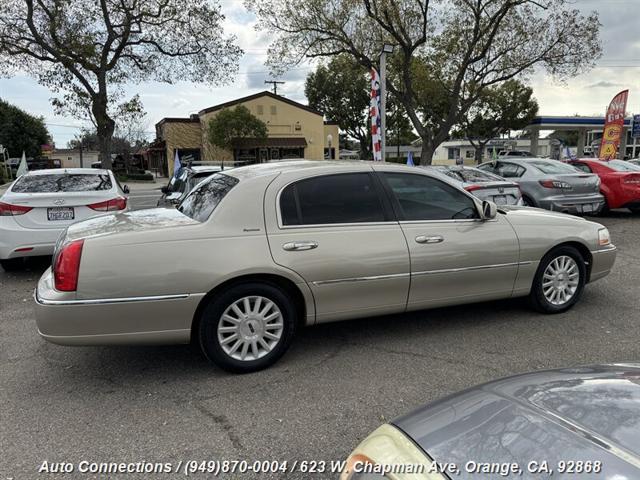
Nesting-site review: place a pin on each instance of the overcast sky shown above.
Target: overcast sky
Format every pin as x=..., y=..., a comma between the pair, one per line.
x=589, y=94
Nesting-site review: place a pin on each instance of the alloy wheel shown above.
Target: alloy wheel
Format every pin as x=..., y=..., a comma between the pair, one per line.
x=250, y=328
x=560, y=280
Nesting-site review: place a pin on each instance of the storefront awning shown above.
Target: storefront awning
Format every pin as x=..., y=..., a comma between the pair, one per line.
x=273, y=142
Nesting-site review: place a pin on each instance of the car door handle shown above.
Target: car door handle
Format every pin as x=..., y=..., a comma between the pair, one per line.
x=299, y=246
x=429, y=239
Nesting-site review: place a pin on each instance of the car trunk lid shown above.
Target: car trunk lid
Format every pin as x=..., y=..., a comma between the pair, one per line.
x=501, y=193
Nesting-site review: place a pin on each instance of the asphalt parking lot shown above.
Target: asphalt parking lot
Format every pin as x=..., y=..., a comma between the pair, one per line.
x=336, y=384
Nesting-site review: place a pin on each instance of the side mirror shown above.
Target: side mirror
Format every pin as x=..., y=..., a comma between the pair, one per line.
x=489, y=210
x=165, y=190
x=125, y=189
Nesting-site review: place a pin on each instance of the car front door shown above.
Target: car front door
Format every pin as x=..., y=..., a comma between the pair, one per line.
x=338, y=232
x=456, y=257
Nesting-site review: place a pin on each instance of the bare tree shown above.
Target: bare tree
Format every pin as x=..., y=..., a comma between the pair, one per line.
x=88, y=49
x=447, y=51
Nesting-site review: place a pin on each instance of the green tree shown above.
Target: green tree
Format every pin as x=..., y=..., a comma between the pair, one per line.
x=509, y=106
x=21, y=131
x=87, y=50
x=341, y=91
x=231, y=124
x=461, y=47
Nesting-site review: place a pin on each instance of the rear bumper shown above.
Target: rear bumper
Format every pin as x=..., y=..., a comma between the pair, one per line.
x=64, y=320
x=39, y=241
x=576, y=204
x=602, y=262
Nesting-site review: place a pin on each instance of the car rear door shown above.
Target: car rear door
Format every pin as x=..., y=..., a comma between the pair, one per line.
x=337, y=231
x=455, y=256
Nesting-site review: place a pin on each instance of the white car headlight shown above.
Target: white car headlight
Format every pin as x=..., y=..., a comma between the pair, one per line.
x=604, y=238
x=389, y=453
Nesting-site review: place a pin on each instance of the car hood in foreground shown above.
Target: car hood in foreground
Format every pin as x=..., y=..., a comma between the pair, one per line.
x=588, y=413
x=147, y=220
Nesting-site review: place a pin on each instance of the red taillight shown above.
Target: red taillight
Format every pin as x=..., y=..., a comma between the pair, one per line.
x=555, y=184
x=67, y=266
x=472, y=188
x=6, y=209
x=118, y=203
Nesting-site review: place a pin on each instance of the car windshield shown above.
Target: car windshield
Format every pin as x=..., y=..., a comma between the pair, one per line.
x=472, y=175
x=201, y=202
x=552, y=167
x=622, y=166
x=53, y=183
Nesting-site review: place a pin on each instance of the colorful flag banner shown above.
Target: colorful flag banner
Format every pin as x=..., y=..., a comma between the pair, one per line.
x=410, y=159
x=374, y=113
x=177, y=166
x=613, y=126
x=23, y=167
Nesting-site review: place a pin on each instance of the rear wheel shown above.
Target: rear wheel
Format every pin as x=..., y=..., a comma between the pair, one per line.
x=12, y=264
x=635, y=210
x=527, y=202
x=248, y=327
x=605, y=210
x=559, y=281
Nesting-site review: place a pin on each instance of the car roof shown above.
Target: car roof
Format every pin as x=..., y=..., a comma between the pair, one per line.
x=204, y=168
x=71, y=171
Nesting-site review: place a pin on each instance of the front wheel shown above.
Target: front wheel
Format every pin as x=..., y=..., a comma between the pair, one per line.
x=248, y=327
x=635, y=210
x=559, y=281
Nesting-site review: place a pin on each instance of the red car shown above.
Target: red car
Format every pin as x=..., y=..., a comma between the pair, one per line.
x=619, y=181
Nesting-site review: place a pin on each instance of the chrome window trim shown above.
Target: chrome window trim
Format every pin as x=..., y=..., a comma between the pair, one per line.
x=100, y=301
x=427, y=272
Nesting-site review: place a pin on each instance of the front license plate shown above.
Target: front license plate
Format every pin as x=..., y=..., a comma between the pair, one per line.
x=60, y=213
x=500, y=200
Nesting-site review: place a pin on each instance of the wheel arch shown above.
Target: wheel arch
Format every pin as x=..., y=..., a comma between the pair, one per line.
x=581, y=248
x=285, y=284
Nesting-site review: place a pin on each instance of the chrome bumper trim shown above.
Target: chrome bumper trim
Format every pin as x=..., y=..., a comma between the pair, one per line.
x=609, y=249
x=99, y=301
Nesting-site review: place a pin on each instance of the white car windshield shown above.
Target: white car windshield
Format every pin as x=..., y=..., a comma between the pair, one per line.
x=52, y=183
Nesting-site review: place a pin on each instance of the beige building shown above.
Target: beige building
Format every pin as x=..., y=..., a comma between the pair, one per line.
x=294, y=131
x=70, y=157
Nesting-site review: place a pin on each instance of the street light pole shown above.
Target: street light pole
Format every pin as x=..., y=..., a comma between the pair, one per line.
x=383, y=99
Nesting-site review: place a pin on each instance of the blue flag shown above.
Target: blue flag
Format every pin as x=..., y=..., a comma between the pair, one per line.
x=410, y=159
x=176, y=165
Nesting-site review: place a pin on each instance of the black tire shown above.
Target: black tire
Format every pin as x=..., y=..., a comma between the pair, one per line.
x=212, y=316
x=537, y=296
x=635, y=210
x=605, y=210
x=12, y=264
x=527, y=202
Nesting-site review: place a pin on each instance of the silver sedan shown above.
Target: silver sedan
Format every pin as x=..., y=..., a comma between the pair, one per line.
x=257, y=252
x=551, y=184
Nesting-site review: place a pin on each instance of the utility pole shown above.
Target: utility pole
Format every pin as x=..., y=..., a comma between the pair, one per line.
x=275, y=84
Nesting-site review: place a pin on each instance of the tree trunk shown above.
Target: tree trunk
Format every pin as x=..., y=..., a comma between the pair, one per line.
x=478, y=154
x=426, y=155
x=105, y=126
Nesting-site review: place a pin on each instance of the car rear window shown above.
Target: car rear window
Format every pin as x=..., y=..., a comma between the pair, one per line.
x=553, y=167
x=202, y=201
x=472, y=175
x=62, y=183
x=622, y=166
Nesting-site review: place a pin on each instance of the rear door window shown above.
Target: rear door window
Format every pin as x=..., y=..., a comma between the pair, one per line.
x=510, y=170
x=583, y=167
x=331, y=199
x=201, y=202
x=62, y=183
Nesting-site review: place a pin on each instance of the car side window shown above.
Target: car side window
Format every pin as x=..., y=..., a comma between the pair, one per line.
x=510, y=170
x=488, y=167
x=331, y=199
x=582, y=166
x=425, y=198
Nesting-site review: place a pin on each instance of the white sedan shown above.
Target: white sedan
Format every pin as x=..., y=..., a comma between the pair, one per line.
x=39, y=205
